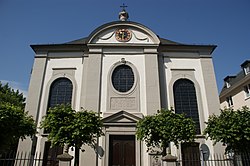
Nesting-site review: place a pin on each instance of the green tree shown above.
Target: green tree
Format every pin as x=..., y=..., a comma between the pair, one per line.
x=14, y=122
x=231, y=127
x=72, y=128
x=164, y=127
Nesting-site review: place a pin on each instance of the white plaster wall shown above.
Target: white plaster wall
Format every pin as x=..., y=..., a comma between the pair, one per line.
x=138, y=36
x=65, y=63
x=223, y=105
x=59, y=63
x=101, y=145
x=185, y=63
x=145, y=156
x=108, y=62
x=239, y=100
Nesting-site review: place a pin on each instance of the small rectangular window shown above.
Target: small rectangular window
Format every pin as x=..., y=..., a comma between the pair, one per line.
x=247, y=90
x=228, y=85
x=247, y=70
x=230, y=101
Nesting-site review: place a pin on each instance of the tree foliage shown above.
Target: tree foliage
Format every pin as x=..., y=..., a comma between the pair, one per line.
x=73, y=128
x=9, y=95
x=231, y=127
x=164, y=127
x=14, y=122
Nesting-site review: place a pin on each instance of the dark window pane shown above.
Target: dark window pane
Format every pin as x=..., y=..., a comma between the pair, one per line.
x=185, y=100
x=123, y=78
x=60, y=92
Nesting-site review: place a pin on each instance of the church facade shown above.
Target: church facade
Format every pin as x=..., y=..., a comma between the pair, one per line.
x=123, y=71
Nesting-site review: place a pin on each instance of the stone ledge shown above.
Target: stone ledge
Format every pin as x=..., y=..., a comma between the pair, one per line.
x=169, y=158
x=65, y=157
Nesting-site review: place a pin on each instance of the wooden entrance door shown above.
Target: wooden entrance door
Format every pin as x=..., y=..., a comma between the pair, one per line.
x=122, y=150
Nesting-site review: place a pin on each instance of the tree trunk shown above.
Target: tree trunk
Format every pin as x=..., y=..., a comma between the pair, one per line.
x=165, y=144
x=164, y=151
x=77, y=149
x=66, y=148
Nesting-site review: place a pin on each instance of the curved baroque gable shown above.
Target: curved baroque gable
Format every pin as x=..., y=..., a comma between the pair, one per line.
x=107, y=34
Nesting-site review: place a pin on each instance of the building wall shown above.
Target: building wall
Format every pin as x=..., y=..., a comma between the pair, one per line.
x=201, y=73
x=33, y=103
x=234, y=87
x=107, y=91
x=238, y=96
x=90, y=72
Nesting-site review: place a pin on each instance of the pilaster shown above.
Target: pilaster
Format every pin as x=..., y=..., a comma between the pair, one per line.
x=152, y=82
x=34, y=96
x=91, y=81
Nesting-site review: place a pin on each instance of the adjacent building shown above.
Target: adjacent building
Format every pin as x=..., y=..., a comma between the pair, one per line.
x=236, y=90
x=123, y=71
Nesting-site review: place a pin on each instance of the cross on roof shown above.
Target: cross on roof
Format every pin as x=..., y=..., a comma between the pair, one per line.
x=123, y=6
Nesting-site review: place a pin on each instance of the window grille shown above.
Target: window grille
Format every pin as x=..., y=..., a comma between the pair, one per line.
x=60, y=92
x=185, y=100
x=123, y=78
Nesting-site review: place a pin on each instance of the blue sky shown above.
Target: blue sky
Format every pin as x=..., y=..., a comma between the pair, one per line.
x=225, y=23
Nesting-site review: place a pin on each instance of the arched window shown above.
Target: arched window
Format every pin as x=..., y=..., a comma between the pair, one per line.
x=123, y=78
x=185, y=100
x=60, y=92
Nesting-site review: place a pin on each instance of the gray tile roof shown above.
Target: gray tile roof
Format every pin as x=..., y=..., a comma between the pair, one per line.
x=79, y=41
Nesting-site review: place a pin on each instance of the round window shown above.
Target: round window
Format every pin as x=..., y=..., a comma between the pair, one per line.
x=123, y=78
